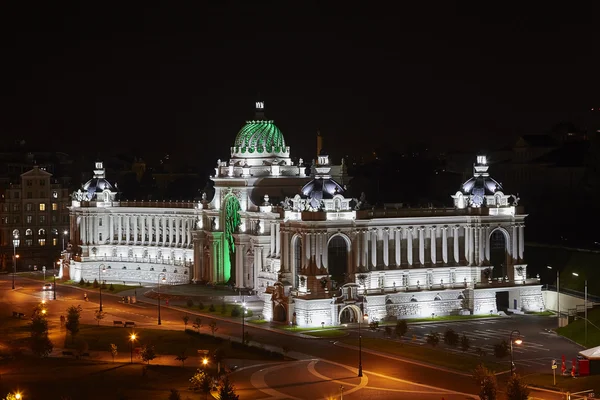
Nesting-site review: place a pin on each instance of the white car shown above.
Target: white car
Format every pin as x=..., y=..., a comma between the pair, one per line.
x=47, y=286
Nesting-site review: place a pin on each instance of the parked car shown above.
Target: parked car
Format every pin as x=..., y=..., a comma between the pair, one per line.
x=47, y=286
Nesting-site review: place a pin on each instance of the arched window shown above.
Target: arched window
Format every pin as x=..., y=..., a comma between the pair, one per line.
x=16, y=233
x=413, y=299
x=42, y=232
x=42, y=237
x=54, y=232
x=28, y=232
x=437, y=298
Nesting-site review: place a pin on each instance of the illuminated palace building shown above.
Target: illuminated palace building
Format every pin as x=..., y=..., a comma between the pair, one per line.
x=287, y=232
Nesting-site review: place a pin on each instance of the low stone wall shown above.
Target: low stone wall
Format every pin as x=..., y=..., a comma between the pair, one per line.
x=135, y=273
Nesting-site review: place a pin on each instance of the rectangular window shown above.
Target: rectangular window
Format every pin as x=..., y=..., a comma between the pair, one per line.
x=42, y=219
x=30, y=195
x=42, y=241
x=28, y=207
x=54, y=241
x=5, y=207
x=42, y=194
x=55, y=195
x=42, y=206
x=54, y=218
x=29, y=182
x=29, y=242
x=17, y=220
x=16, y=207
x=54, y=207
x=42, y=182
x=29, y=219
x=99, y=221
x=100, y=237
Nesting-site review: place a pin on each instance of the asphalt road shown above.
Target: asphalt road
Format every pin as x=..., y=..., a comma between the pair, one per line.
x=323, y=368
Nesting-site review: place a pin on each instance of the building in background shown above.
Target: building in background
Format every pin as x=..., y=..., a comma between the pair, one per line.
x=34, y=212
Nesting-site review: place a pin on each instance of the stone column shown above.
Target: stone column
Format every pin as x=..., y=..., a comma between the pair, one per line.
x=119, y=228
x=307, y=242
x=239, y=265
x=421, y=245
x=521, y=241
x=277, y=240
x=272, y=248
x=128, y=228
x=356, y=244
x=409, y=246
x=432, y=232
x=467, y=247
x=111, y=228
x=190, y=227
x=386, y=247
x=514, y=250
x=318, y=250
x=365, y=248
x=164, y=232
x=134, y=219
x=455, y=233
x=374, y=248
x=398, y=246
x=171, y=231
x=445, y=245
x=82, y=230
x=176, y=223
x=285, y=251
x=324, y=249
x=486, y=243
x=476, y=235
x=143, y=229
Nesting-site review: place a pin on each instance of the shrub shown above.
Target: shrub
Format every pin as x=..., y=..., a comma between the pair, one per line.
x=236, y=311
x=401, y=328
x=465, y=343
x=111, y=288
x=190, y=303
x=451, y=338
x=88, y=283
x=212, y=308
x=374, y=325
x=501, y=349
x=201, y=305
x=96, y=285
x=433, y=338
x=81, y=282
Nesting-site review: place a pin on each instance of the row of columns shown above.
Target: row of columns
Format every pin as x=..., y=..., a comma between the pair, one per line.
x=474, y=248
x=275, y=239
x=176, y=231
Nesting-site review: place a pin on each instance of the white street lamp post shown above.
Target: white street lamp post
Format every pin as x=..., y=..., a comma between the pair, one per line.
x=584, y=309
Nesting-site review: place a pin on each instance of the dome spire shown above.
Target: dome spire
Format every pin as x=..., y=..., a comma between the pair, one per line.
x=259, y=108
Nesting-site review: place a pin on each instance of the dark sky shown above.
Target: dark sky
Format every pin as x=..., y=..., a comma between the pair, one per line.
x=183, y=79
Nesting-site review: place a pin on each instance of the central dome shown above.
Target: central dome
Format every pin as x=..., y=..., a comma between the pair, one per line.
x=262, y=137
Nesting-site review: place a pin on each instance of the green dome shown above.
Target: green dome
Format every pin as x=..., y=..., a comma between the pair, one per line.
x=259, y=137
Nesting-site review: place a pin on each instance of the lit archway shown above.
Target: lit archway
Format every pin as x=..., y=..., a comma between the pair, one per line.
x=337, y=258
x=349, y=314
x=279, y=313
x=232, y=222
x=500, y=256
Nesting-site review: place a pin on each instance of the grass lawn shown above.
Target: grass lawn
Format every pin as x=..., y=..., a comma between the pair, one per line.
x=99, y=338
x=564, y=382
x=300, y=329
x=576, y=329
x=218, y=309
x=257, y=321
x=438, y=356
x=448, y=318
x=541, y=314
x=328, y=333
x=117, y=287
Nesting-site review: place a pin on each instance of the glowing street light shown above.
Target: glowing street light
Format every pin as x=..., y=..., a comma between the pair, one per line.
x=204, y=361
x=18, y=396
x=65, y=233
x=16, y=242
x=518, y=340
x=132, y=338
x=360, y=319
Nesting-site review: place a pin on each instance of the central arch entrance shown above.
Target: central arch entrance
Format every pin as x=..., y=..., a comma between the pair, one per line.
x=337, y=259
x=279, y=313
x=350, y=314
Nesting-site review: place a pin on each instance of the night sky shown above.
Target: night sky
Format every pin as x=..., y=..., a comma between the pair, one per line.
x=183, y=79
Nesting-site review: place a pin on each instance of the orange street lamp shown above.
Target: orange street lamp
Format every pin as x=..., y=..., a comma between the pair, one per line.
x=518, y=340
x=204, y=361
x=132, y=338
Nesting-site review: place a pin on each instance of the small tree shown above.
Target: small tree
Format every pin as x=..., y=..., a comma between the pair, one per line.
x=113, y=351
x=501, y=349
x=197, y=324
x=433, y=338
x=182, y=357
x=227, y=391
x=99, y=316
x=211, y=308
x=488, y=386
x=516, y=389
x=73, y=316
x=38, y=325
x=111, y=288
x=148, y=353
x=186, y=319
x=465, y=343
x=81, y=282
x=401, y=328
x=451, y=338
x=174, y=395
x=202, y=382
x=213, y=327
x=95, y=285
x=41, y=345
x=388, y=331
